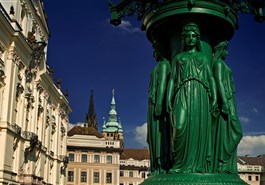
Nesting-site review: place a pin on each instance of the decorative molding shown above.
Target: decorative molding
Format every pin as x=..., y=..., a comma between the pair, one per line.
x=27, y=135
x=62, y=113
x=53, y=123
x=40, y=110
x=2, y=48
x=15, y=128
x=20, y=90
x=2, y=78
x=30, y=99
x=40, y=88
x=14, y=56
x=21, y=66
x=44, y=149
x=63, y=131
x=47, y=121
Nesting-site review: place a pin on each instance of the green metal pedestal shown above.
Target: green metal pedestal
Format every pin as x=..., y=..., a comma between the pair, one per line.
x=194, y=179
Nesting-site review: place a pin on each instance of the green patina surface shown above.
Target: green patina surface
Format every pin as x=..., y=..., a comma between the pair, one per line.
x=193, y=127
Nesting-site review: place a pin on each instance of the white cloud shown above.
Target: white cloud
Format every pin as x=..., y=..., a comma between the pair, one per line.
x=141, y=134
x=249, y=145
x=127, y=27
x=255, y=110
x=252, y=145
x=244, y=119
x=71, y=125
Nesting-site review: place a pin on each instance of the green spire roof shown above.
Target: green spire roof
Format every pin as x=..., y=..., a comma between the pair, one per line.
x=112, y=125
x=104, y=125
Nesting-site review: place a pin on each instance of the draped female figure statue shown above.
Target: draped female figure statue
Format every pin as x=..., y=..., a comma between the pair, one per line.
x=190, y=97
x=158, y=128
x=228, y=132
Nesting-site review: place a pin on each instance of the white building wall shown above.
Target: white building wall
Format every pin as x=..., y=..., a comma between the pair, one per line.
x=27, y=106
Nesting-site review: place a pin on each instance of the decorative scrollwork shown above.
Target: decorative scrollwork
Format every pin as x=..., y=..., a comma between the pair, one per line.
x=40, y=110
x=2, y=78
x=2, y=49
x=30, y=99
x=63, y=131
x=15, y=128
x=20, y=89
x=140, y=8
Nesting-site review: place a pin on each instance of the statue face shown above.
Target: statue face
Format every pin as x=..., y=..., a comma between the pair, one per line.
x=224, y=53
x=191, y=38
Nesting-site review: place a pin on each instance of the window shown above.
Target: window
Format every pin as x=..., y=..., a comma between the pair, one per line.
x=143, y=175
x=71, y=157
x=131, y=184
x=84, y=158
x=249, y=178
x=130, y=174
x=109, y=178
x=121, y=184
x=83, y=176
x=109, y=159
x=96, y=177
x=70, y=176
x=257, y=178
x=122, y=173
x=96, y=158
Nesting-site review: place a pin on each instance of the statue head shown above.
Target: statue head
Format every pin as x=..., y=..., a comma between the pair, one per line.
x=187, y=28
x=220, y=50
x=156, y=53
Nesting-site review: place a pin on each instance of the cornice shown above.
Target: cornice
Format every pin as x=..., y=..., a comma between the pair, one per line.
x=54, y=93
x=96, y=149
x=36, y=18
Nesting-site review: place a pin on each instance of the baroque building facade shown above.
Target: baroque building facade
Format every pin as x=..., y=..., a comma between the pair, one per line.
x=100, y=158
x=252, y=169
x=134, y=166
x=33, y=110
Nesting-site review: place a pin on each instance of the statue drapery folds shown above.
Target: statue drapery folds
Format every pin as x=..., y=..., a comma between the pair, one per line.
x=195, y=109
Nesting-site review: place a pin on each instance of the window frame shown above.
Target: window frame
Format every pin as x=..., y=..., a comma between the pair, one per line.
x=95, y=160
x=96, y=177
x=121, y=173
x=70, y=178
x=82, y=158
x=109, y=178
x=83, y=178
x=109, y=159
x=69, y=157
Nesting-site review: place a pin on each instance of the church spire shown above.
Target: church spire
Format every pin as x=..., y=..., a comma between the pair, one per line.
x=91, y=117
x=113, y=100
x=112, y=129
x=112, y=112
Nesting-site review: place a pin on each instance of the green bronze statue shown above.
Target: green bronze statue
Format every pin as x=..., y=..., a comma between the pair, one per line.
x=190, y=98
x=157, y=138
x=228, y=130
x=193, y=127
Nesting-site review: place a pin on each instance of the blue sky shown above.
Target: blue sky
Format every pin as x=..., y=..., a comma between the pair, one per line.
x=86, y=52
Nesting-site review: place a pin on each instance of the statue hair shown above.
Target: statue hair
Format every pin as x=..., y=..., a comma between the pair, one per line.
x=218, y=50
x=190, y=26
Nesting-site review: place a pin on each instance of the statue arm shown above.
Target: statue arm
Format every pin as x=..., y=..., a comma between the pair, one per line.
x=170, y=88
x=163, y=71
x=213, y=88
x=218, y=75
x=152, y=86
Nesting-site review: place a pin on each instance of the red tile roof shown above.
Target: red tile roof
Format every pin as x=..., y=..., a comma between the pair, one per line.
x=135, y=153
x=259, y=160
x=78, y=130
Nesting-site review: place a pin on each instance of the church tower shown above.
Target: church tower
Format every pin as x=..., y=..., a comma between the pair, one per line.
x=91, y=117
x=112, y=129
